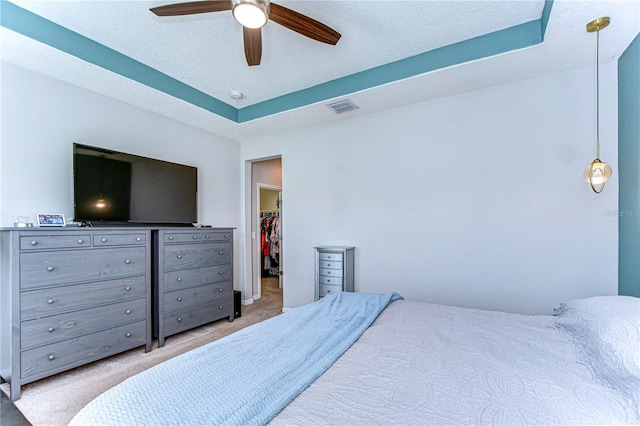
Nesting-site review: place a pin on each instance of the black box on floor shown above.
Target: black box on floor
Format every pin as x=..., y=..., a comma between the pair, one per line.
x=237, y=304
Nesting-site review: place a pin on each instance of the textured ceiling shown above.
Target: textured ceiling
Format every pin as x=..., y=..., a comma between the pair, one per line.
x=205, y=52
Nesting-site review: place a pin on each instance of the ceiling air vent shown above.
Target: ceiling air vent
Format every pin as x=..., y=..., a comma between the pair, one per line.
x=343, y=106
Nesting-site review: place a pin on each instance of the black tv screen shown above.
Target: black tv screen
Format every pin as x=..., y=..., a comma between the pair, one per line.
x=113, y=187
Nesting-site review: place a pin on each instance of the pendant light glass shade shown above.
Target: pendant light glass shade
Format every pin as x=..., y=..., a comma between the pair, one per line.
x=597, y=172
x=251, y=13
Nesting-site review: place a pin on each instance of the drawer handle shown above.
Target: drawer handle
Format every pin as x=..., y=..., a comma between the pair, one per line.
x=179, y=299
x=128, y=311
x=138, y=239
x=171, y=238
x=179, y=256
x=128, y=288
x=206, y=237
x=51, y=329
x=328, y=272
x=220, y=252
x=127, y=261
x=227, y=236
x=128, y=335
x=179, y=280
x=328, y=291
x=328, y=265
x=80, y=241
x=220, y=290
x=220, y=307
x=50, y=268
x=179, y=319
x=104, y=240
x=50, y=301
x=34, y=243
x=220, y=272
x=51, y=357
x=195, y=237
x=203, y=280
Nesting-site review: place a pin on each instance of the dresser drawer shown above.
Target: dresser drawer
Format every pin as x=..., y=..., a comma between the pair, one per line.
x=216, y=236
x=326, y=289
x=184, y=319
x=193, y=296
x=37, y=242
x=66, y=267
x=191, y=256
x=139, y=239
x=181, y=237
x=81, y=350
x=331, y=257
x=51, y=301
x=176, y=280
x=330, y=272
x=72, y=324
x=330, y=280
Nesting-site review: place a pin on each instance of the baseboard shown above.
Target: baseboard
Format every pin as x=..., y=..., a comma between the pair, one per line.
x=247, y=302
x=284, y=309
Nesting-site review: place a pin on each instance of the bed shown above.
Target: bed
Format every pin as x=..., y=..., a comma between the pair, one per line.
x=359, y=359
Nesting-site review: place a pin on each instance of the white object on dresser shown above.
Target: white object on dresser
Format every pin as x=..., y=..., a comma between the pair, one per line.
x=334, y=270
x=70, y=297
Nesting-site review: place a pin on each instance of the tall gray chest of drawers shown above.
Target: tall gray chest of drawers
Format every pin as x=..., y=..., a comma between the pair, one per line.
x=69, y=297
x=194, y=285
x=333, y=270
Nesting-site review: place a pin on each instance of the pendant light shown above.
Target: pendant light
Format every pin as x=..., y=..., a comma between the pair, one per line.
x=597, y=172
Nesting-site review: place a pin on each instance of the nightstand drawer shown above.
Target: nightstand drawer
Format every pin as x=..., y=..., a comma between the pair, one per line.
x=36, y=242
x=190, y=256
x=325, y=289
x=196, y=295
x=176, y=280
x=330, y=264
x=332, y=257
x=55, y=328
x=330, y=280
x=330, y=272
x=81, y=350
x=67, y=267
x=50, y=301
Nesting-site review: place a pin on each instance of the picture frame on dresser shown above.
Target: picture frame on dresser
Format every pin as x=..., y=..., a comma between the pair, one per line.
x=50, y=219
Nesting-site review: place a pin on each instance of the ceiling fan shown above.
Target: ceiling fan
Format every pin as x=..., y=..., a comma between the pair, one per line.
x=253, y=15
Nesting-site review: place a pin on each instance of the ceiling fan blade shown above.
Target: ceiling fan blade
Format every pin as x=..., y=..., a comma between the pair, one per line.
x=303, y=24
x=252, y=45
x=192, y=8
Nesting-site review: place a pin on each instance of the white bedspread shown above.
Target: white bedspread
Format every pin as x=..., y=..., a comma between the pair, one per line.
x=428, y=364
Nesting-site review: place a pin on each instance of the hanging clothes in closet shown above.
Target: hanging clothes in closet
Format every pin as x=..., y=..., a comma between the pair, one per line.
x=270, y=243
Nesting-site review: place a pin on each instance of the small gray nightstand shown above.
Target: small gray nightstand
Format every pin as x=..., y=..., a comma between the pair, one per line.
x=333, y=270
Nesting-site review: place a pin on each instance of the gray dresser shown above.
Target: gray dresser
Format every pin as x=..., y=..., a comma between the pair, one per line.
x=194, y=285
x=333, y=270
x=70, y=296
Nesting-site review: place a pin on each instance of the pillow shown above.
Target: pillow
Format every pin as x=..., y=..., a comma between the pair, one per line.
x=607, y=329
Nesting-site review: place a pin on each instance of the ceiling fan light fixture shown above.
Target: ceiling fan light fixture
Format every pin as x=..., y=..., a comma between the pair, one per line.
x=251, y=13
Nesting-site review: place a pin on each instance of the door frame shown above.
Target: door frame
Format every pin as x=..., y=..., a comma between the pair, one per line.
x=256, y=281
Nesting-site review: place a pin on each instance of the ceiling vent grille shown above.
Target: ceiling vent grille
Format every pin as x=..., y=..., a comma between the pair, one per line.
x=343, y=106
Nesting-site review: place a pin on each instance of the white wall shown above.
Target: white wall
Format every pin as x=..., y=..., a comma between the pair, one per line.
x=43, y=117
x=474, y=200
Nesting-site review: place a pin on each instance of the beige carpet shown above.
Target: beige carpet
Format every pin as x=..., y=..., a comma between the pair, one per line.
x=56, y=399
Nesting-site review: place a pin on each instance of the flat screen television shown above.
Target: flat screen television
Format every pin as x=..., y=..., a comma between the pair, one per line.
x=115, y=188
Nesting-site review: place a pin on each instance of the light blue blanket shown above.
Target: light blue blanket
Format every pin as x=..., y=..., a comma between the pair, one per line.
x=245, y=378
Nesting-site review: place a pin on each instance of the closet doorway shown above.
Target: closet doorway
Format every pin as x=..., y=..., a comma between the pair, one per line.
x=269, y=237
x=264, y=218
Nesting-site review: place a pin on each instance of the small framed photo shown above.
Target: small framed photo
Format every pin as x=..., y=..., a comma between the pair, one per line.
x=50, y=219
